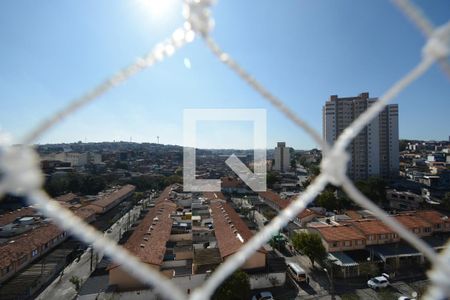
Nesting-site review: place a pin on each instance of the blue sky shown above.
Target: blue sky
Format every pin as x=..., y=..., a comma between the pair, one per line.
x=302, y=51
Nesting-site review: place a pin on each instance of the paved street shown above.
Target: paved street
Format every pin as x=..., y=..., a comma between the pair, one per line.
x=61, y=287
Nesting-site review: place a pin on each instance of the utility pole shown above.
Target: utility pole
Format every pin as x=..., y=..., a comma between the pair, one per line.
x=157, y=138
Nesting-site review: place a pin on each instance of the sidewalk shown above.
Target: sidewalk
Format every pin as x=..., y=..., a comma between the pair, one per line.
x=61, y=287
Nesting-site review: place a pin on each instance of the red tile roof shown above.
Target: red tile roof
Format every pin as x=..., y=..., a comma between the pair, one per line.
x=433, y=216
x=66, y=197
x=371, y=226
x=230, y=230
x=353, y=214
x=214, y=195
x=12, y=216
x=110, y=198
x=412, y=221
x=230, y=182
x=339, y=233
x=273, y=197
x=148, y=241
x=26, y=243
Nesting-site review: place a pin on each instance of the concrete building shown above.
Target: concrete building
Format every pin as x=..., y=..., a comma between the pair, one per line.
x=282, y=158
x=403, y=200
x=27, y=236
x=375, y=150
x=363, y=239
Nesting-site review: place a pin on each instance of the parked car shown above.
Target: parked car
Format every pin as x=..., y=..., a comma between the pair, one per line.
x=263, y=296
x=297, y=272
x=379, y=281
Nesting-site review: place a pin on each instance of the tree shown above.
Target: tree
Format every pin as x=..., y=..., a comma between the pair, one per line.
x=402, y=144
x=272, y=178
x=327, y=200
x=374, y=188
x=310, y=244
x=237, y=286
x=446, y=200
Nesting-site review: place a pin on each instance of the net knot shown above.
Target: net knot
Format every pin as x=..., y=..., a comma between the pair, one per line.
x=19, y=168
x=198, y=15
x=334, y=166
x=438, y=45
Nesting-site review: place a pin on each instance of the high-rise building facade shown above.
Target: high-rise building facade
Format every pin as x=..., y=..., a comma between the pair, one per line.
x=375, y=150
x=282, y=158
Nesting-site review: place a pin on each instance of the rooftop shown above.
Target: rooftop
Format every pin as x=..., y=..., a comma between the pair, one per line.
x=339, y=233
x=148, y=241
x=230, y=230
x=111, y=197
x=372, y=226
x=412, y=221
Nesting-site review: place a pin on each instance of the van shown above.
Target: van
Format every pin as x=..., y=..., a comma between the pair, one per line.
x=297, y=273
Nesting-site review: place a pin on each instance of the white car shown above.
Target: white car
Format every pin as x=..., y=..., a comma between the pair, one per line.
x=405, y=298
x=263, y=296
x=379, y=281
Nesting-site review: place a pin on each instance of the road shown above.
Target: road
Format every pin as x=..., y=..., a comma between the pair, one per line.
x=62, y=287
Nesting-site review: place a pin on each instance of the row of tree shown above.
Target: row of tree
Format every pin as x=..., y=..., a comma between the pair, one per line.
x=75, y=183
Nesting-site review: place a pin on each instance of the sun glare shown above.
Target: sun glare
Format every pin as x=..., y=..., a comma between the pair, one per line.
x=156, y=9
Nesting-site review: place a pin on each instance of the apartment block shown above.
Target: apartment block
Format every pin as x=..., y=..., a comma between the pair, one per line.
x=375, y=150
x=282, y=158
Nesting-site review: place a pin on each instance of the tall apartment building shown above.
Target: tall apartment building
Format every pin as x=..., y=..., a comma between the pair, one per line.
x=375, y=150
x=282, y=158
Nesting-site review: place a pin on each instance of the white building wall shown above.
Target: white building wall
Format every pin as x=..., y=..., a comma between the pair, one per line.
x=286, y=159
x=282, y=159
x=267, y=280
x=393, y=139
x=329, y=122
x=373, y=147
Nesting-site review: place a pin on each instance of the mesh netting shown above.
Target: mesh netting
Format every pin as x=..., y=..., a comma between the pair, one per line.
x=21, y=175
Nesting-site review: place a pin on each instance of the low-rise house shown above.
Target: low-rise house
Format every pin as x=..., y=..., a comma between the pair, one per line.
x=440, y=222
x=19, y=251
x=375, y=231
x=403, y=200
x=417, y=225
x=233, y=185
x=110, y=200
x=232, y=233
x=148, y=243
x=274, y=201
x=340, y=238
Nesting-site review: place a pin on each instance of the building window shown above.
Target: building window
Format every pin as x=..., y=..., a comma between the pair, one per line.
x=335, y=244
x=34, y=253
x=347, y=243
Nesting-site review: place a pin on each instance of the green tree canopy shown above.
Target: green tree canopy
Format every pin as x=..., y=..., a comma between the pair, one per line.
x=310, y=244
x=327, y=200
x=374, y=188
x=272, y=178
x=236, y=287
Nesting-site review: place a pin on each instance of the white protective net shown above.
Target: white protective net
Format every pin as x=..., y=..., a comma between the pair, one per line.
x=20, y=173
